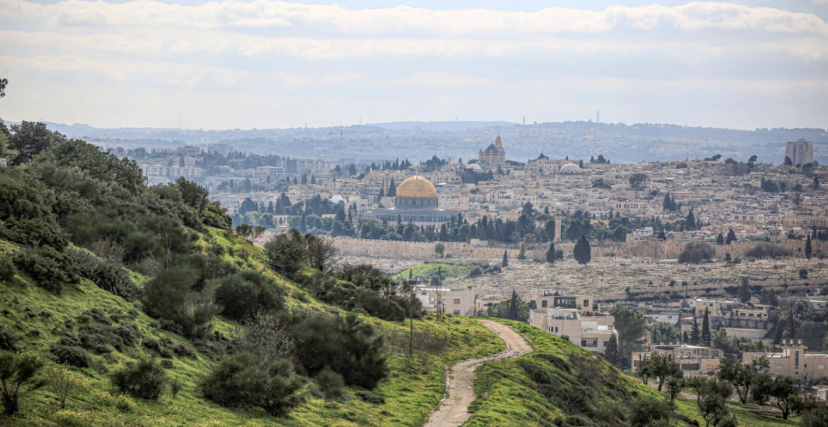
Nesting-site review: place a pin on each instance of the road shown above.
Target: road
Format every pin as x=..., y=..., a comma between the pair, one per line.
x=454, y=410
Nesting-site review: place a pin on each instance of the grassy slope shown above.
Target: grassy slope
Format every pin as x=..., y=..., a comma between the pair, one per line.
x=449, y=269
x=505, y=396
x=37, y=316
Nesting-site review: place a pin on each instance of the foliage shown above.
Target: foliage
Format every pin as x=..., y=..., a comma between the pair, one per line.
x=286, y=252
x=63, y=382
x=243, y=294
x=265, y=337
x=30, y=138
x=18, y=377
x=145, y=379
x=582, y=251
x=7, y=269
x=330, y=384
x=663, y=368
x=245, y=382
x=767, y=250
x=696, y=252
x=740, y=375
x=72, y=356
x=648, y=410
x=631, y=327
x=8, y=340
x=174, y=295
x=108, y=274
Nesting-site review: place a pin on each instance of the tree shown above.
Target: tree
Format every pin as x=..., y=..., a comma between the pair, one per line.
x=392, y=189
x=663, y=368
x=632, y=328
x=696, y=252
x=760, y=388
x=638, y=179
x=740, y=375
x=513, y=306
x=712, y=408
x=30, y=138
x=706, y=327
x=528, y=209
x=783, y=392
x=731, y=237
x=582, y=251
x=744, y=291
x=720, y=240
x=690, y=221
x=320, y=252
x=695, y=334
x=18, y=377
x=611, y=352
x=815, y=185
x=286, y=252
x=808, y=248
x=674, y=387
x=440, y=249
x=793, y=326
x=649, y=411
x=63, y=381
x=505, y=262
x=550, y=254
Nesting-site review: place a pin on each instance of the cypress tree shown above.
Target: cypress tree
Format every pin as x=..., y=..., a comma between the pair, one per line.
x=720, y=239
x=808, y=249
x=792, y=326
x=582, y=251
x=513, y=308
x=695, y=335
x=392, y=189
x=816, y=182
x=505, y=262
x=550, y=254
x=611, y=352
x=744, y=290
x=777, y=337
x=690, y=222
x=706, y=327
x=303, y=227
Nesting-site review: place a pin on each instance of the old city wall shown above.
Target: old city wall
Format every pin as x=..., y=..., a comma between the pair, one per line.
x=671, y=250
x=425, y=250
x=659, y=250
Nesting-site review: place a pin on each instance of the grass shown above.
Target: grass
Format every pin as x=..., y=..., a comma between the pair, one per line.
x=506, y=396
x=413, y=389
x=429, y=268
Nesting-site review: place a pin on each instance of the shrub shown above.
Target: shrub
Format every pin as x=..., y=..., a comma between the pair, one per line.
x=648, y=410
x=330, y=383
x=767, y=250
x=143, y=380
x=63, y=382
x=243, y=294
x=175, y=387
x=369, y=397
x=7, y=270
x=129, y=333
x=345, y=344
x=108, y=274
x=98, y=315
x=243, y=381
x=152, y=344
x=72, y=356
x=286, y=252
x=476, y=271
x=50, y=268
x=8, y=340
x=18, y=377
x=696, y=252
x=173, y=295
x=167, y=364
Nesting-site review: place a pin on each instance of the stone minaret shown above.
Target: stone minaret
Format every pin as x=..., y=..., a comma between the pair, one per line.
x=557, y=227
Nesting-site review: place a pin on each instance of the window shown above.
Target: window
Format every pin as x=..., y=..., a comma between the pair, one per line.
x=456, y=312
x=796, y=360
x=457, y=301
x=586, y=303
x=543, y=303
x=821, y=367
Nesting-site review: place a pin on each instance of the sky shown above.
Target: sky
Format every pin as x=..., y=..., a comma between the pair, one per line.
x=265, y=64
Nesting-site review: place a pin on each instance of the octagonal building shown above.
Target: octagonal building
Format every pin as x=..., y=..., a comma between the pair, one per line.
x=416, y=202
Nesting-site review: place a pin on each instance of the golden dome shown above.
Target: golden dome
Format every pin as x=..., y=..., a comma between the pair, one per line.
x=417, y=186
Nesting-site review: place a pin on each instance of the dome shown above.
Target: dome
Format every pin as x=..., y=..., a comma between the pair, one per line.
x=570, y=167
x=474, y=167
x=417, y=186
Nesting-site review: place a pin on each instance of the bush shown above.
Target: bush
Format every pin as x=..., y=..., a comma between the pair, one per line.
x=648, y=410
x=129, y=333
x=7, y=270
x=183, y=350
x=8, y=340
x=243, y=294
x=330, y=383
x=174, y=295
x=286, y=252
x=107, y=274
x=143, y=380
x=696, y=252
x=18, y=377
x=50, y=268
x=476, y=271
x=167, y=364
x=242, y=381
x=767, y=250
x=345, y=344
x=71, y=356
x=369, y=397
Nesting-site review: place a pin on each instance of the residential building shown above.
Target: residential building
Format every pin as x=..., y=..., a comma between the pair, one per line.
x=591, y=332
x=691, y=358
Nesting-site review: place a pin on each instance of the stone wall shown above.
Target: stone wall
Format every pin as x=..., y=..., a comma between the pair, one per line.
x=671, y=250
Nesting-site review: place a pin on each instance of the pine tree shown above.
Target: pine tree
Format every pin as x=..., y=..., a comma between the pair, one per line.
x=505, y=262
x=808, y=249
x=731, y=237
x=550, y=254
x=706, y=327
x=444, y=234
x=744, y=290
x=381, y=193
x=695, y=335
x=611, y=352
x=720, y=239
x=816, y=183
x=582, y=251
x=777, y=337
x=513, y=306
x=303, y=227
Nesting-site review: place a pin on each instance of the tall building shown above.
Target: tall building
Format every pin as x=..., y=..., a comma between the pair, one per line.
x=494, y=154
x=800, y=152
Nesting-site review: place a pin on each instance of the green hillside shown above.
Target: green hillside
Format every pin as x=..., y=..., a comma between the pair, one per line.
x=563, y=385
x=430, y=268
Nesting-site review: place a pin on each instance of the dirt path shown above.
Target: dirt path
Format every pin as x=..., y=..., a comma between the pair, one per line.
x=454, y=410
